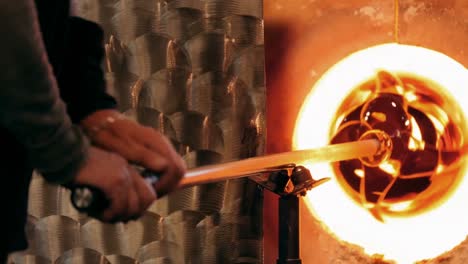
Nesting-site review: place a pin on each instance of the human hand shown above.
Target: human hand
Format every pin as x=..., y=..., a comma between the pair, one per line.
x=128, y=193
x=141, y=145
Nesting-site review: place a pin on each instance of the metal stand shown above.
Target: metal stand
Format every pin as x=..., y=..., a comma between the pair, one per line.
x=288, y=243
x=289, y=182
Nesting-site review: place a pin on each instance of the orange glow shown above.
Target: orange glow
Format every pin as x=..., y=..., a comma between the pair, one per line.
x=404, y=240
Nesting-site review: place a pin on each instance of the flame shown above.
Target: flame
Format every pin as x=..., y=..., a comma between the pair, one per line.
x=404, y=240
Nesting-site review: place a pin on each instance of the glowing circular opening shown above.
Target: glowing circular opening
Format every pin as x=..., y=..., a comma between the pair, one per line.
x=406, y=239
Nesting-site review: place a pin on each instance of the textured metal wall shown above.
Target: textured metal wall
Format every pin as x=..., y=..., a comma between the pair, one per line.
x=193, y=69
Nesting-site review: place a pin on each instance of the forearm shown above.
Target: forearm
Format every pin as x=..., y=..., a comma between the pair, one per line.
x=81, y=77
x=30, y=106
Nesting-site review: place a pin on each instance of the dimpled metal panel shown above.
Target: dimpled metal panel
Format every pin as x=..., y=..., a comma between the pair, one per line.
x=194, y=70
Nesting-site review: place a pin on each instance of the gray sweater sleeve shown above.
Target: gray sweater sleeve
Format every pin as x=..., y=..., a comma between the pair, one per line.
x=30, y=105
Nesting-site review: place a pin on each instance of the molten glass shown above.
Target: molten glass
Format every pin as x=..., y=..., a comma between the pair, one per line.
x=434, y=88
x=414, y=120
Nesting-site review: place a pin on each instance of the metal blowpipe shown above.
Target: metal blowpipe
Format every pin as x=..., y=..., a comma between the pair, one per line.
x=91, y=200
x=235, y=169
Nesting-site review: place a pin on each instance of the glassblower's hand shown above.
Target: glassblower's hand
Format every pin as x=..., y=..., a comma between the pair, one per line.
x=127, y=192
x=138, y=144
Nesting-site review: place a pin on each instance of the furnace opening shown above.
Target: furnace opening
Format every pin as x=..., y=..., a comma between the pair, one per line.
x=431, y=87
x=427, y=144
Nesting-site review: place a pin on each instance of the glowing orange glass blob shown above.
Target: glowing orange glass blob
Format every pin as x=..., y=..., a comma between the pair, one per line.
x=425, y=86
x=421, y=168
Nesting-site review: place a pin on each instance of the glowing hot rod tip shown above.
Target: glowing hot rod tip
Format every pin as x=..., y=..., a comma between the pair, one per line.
x=383, y=152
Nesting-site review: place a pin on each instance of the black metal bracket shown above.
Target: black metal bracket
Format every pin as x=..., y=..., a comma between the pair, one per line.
x=289, y=182
x=287, y=179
